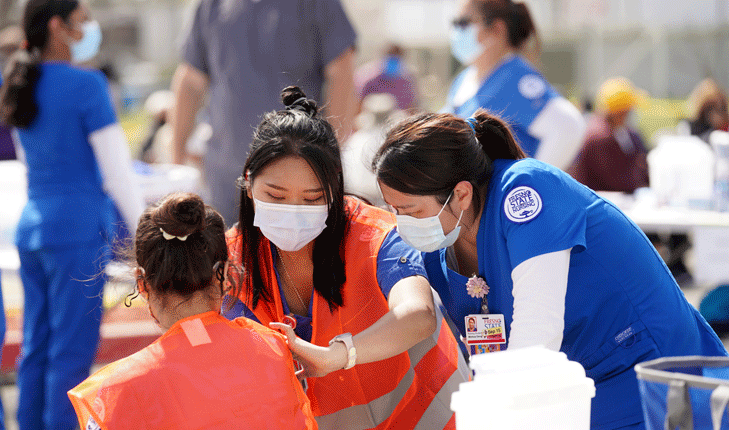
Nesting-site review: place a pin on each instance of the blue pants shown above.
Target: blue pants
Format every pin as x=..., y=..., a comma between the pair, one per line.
x=61, y=318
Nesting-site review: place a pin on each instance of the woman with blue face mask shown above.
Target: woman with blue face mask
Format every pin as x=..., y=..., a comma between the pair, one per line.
x=81, y=189
x=489, y=37
x=519, y=244
x=332, y=274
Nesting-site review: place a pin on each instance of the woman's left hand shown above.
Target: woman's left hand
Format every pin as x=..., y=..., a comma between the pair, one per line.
x=316, y=360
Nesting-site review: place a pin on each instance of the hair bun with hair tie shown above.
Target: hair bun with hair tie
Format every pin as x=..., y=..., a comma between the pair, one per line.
x=472, y=122
x=295, y=99
x=297, y=103
x=168, y=236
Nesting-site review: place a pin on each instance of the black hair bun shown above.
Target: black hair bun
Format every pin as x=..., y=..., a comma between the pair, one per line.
x=294, y=98
x=180, y=214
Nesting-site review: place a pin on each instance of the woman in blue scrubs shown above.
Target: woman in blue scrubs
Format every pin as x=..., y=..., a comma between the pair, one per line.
x=79, y=174
x=565, y=268
x=490, y=37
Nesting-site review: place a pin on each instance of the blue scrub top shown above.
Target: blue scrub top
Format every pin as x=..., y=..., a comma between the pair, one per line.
x=395, y=261
x=66, y=200
x=515, y=91
x=622, y=306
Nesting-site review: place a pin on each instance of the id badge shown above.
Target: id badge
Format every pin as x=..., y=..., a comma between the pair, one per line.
x=484, y=333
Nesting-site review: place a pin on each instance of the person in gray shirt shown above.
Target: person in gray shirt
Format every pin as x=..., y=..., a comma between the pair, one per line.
x=240, y=53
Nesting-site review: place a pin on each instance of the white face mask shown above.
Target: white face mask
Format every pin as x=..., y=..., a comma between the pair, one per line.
x=290, y=227
x=426, y=234
x=465, y=45
x=85, y=49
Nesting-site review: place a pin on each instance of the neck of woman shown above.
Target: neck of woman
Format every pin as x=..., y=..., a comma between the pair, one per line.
x=491, y=58
x=173, y=307
x=466, y=247
x=56, y=51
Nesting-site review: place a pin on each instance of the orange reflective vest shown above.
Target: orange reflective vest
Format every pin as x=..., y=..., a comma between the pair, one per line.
x=408, y=391
x=205, y=372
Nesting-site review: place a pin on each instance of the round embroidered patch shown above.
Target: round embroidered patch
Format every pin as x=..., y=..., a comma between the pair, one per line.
x=532, y=86
x=522, y=204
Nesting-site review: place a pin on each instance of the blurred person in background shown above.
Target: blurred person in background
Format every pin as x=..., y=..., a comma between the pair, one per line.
x=11, y=38
x=157, y=147
x=81, y=193
x=204, y=371
x=242, y=53
x=488, y=37
x=707, y=106
x=388, y=75
x=613, y=157
x=377, y=111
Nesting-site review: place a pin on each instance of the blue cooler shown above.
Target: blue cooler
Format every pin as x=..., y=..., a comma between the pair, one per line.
x=685, y=393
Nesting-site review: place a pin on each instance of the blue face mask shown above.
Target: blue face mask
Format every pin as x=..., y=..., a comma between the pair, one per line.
x=86, y=48
x=464, y=44
x=392, y=66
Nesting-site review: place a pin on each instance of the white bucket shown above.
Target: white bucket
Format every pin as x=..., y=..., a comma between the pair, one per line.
x=528, y=388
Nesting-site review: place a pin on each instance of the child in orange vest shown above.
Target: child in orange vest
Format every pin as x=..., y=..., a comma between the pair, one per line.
x=205, y=371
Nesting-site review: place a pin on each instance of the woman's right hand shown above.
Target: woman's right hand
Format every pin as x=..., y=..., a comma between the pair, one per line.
x=316, y=360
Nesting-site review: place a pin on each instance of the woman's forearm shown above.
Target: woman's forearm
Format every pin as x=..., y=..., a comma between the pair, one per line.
x=410, y=320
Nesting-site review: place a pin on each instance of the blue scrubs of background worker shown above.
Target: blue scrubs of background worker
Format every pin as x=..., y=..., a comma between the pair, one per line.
x=78, y=167
x=493, y=38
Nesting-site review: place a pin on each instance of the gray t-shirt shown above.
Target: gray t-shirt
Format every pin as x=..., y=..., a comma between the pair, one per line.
x=250, y=51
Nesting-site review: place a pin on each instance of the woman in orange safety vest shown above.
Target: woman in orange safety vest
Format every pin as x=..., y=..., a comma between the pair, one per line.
x=333, y=274
x=205, y=371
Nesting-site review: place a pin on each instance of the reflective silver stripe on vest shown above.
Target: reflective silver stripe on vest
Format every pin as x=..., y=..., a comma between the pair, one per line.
x=418, y=351
x=439, y=411
x=372, y=414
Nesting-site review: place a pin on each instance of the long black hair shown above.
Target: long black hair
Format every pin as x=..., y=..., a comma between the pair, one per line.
x=18, y=106
x=429, y=153
x=297, y=131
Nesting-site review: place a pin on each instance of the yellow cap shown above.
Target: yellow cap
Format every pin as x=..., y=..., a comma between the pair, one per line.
x=617, y=95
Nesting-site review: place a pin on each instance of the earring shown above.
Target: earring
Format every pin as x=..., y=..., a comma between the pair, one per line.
x=131, y=296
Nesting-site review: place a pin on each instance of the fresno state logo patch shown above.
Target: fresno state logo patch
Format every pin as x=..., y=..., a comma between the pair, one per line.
x=522, y=204
x=532, y=86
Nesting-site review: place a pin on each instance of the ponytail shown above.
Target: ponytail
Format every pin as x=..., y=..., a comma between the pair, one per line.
x=428, y=154
x=516, y=16
x=521, y=26
x=18, y=106
x=495, y=137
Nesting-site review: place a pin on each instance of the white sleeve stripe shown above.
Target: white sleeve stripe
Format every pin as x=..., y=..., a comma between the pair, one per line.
x=115, y=163
x=540, y=288
x=561, y=130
